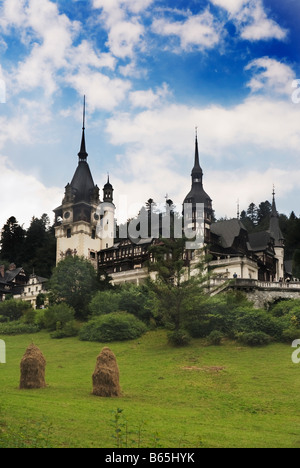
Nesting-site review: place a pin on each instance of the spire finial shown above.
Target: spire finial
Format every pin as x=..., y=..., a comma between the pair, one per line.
x=83, y=126
x=82, y=153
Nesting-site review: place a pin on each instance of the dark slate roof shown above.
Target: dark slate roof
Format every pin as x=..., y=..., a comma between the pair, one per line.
x=227, y=231
x=198, y=195
x=11, y=275
x=82, y=182
x=259, y=241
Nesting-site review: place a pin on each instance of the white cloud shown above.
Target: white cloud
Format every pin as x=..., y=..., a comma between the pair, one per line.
x=33, y=198
x=122, y=21
x=149, y=98
x=252, y=20
x=270, y=75
x=101, y=91
x=232, y=6
x=200, y=31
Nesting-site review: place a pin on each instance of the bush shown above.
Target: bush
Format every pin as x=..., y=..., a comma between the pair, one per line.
x=256, y=338
x=250, y=320
x=57, y=316
x=283, y=308
x=117, y=326
x=14, y=310
x=104, y=302
x=17, y=327
x=290, y=334
x=67, y=330
x=215, y=337
x=179, y=338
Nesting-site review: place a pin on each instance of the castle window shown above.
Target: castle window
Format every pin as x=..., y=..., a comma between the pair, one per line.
x=92, y=255
x=93, y=234
x=69, y=233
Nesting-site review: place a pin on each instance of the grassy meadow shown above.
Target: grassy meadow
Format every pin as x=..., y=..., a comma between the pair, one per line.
x=198, y=396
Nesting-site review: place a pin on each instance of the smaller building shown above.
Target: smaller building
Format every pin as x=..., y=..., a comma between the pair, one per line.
x=12, y=281
x=35, y=286
x=17, y=284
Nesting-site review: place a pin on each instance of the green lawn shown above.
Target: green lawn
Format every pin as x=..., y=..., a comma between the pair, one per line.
x=198, y=396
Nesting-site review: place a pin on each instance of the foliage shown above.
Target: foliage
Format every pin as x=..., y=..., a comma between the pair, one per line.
x=255, y=338
x=65, y=330
x=17, y=327
x=178, y=338
x=136, y=300
x=14, y=310
x=176, y=287
x=215, y=338
x=117, y=326
x=34, y=248
x=57, y=316
x=12, y=241
x=74, y=281
x=104, y=302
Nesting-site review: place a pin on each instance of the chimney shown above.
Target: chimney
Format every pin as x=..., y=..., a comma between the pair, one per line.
x=2, y=271
x=12, y=267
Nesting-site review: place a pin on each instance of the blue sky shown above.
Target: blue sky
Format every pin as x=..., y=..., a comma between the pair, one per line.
x=151, y=70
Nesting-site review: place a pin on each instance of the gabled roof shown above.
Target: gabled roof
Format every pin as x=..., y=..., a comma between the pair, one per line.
x=227, y=231
x=260, y=241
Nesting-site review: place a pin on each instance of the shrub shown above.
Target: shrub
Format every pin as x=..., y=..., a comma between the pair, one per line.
x=17, y=327
x=179, y=338
x=67, y=330
x=256, y=338
x=57, y=316
x=250, y=320
x=215, y=337
x=283, y=308
x=290, y=334
x=104, y=302
x=117, y=326
x=14, y=310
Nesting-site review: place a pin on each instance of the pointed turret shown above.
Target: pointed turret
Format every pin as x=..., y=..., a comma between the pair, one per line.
x=197, y=173
x=274, y=229
x=197, y=197
x=108, y=191
x=197, y=193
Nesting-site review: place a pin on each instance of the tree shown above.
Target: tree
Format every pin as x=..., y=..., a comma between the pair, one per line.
x=12, y=241
x=263, y=214
x=252, y=213
x=39, y=253
x=74, y=281
x=177, y=291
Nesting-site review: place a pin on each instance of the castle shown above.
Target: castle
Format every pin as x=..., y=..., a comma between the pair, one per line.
x=85, y=226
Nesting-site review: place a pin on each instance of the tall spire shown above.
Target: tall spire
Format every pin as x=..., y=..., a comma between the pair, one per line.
x=197, y=173
x=82, y=153
x=274, y=229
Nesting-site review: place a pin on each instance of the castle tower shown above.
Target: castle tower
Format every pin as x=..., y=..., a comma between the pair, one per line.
x=76, y=219
x=106, y=227
x=198, y=196
x=279, y=243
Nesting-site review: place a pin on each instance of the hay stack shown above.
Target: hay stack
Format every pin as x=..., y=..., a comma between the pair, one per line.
x=32, y=367
x=106, y=375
